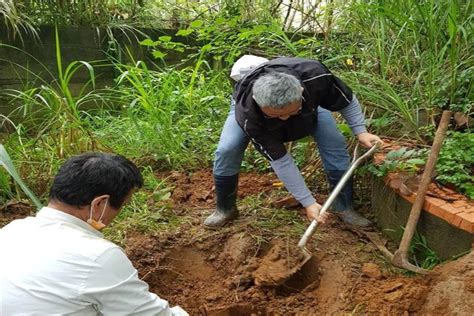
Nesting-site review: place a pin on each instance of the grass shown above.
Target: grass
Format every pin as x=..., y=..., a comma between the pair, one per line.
x=422, y=255
x=408, y=59
x=17, y=23
x=168, y=113
x=272, y=221
x=148, y=212
x=411, y=56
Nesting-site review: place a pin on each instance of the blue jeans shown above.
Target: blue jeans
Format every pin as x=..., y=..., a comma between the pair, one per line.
x=233, y=142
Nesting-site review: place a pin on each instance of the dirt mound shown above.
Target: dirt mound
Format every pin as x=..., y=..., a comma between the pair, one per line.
x=392, y=295
x=452, y=292
x=282, y=261
x=213, y=273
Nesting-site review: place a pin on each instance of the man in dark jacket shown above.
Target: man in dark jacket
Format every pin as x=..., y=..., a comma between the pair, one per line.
x=283, y=100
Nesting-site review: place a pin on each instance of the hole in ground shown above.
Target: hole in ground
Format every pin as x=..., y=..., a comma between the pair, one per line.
x=188, y=263
x=307, y=276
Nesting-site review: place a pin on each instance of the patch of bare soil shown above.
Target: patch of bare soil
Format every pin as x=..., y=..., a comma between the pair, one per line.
x=14, y=210
x=213, y=272
x=197, y=189
x=216, y=272
x=452, y=292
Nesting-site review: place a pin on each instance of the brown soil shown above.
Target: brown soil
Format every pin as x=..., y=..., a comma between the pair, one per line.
x=213, y=272
x=453, y=292
x=14, y=210
x=281, y=262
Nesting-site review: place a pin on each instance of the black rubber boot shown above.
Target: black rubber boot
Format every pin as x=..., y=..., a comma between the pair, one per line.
x=343, y=205
x=226, y=196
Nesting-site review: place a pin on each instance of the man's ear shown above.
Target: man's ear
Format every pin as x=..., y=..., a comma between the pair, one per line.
x=302, y=89
x=99, y=201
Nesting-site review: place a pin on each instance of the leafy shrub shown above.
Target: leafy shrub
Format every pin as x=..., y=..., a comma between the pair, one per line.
x=456, y=162
x=403, y=159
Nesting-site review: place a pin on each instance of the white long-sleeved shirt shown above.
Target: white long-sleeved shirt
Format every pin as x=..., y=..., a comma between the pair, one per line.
x=55, y=263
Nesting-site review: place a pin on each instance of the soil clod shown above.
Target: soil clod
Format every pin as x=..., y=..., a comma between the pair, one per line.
x=279, y=265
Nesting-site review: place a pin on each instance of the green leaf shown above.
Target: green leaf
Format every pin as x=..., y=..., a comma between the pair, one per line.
x=185, y=32
x=165, y=38
x=220, y=20
x=197, y=23
x=148, y=42
x=158, y=54
x=416, y=161
x=206, y=48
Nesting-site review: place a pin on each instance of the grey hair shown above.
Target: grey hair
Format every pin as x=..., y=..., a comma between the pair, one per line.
x=276, y=90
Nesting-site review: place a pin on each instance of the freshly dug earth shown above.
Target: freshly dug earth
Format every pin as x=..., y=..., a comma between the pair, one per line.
x=214, y=272
x=217, y=272
x=281, y=262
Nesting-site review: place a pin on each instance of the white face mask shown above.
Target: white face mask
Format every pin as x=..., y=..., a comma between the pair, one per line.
x=98, y=225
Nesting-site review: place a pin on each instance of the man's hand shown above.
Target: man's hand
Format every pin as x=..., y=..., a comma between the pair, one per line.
x=312, y=212
x=368, y=140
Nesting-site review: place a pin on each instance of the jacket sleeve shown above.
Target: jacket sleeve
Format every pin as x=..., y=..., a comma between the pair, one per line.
x=115, y=289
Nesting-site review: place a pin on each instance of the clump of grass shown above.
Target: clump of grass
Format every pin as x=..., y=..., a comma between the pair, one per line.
x=271, y=220
x=422, y=255
x=148, y=211
x=411, y=57
x=167, y=114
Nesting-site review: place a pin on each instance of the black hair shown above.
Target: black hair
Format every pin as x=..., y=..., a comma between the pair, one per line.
x=84, y=177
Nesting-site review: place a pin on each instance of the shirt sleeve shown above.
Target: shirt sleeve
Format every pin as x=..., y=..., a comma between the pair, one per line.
x=287, y=171
x=115, y=289
x=352, y=114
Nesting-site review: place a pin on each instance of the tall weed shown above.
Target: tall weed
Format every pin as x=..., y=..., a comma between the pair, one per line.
x=172, y=116
x=416, y=50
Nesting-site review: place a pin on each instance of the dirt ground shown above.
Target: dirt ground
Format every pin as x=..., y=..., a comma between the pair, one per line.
x=212, y=272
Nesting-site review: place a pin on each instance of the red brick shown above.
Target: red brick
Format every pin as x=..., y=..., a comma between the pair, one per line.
x=469, y=209
x=459, y=204
x=451, y=209
x=467, y=226
x=435, y=210
x=435, y=201
x=467, y=217
x=456, y=221
x=434, y=206
x=447, y=216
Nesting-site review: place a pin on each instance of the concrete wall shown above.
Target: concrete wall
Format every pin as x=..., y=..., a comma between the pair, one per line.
x=392, y=213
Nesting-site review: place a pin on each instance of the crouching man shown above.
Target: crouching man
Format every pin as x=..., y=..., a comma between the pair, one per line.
x=59, y=263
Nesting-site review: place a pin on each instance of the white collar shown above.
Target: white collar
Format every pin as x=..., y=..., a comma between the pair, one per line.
x=57, y=215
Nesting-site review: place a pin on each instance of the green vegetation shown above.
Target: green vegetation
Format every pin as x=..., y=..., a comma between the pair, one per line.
x=400, y=160
x=405, y=59
x=456, y=162
x=421, y=254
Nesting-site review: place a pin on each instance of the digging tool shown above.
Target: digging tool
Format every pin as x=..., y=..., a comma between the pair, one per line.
x=314, y=223
x=281, y=263
x=400, y=257
x=7, y=163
